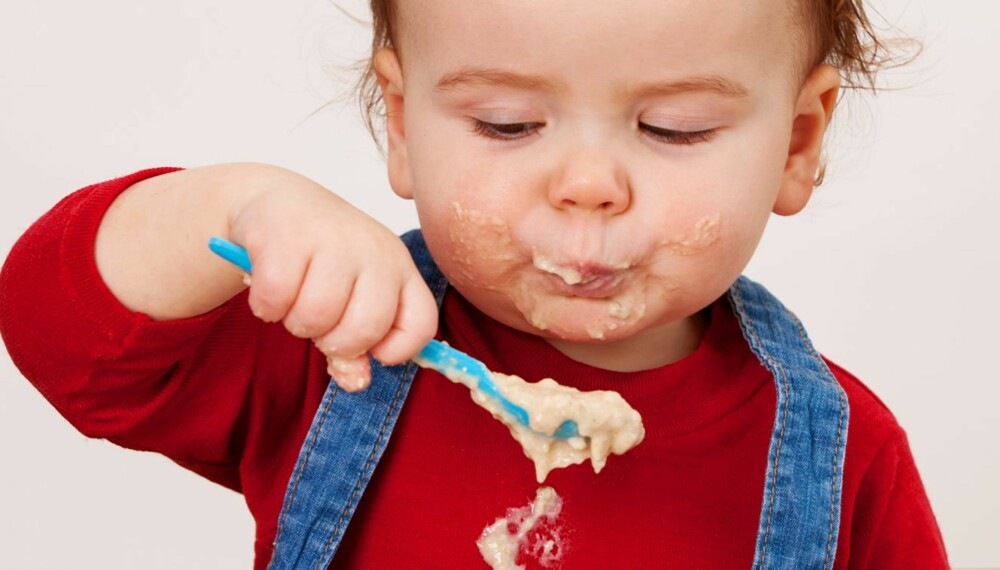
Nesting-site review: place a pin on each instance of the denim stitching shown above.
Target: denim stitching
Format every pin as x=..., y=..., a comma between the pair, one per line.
x=781, y=433
x=777, y=450
x=305, y=462
x=840, y=432
x=368, y=463
x=833, y=486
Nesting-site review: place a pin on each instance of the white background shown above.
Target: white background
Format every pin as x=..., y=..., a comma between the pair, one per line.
x=893, y=266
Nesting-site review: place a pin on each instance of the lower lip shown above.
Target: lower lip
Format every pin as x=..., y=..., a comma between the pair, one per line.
x=595, y=288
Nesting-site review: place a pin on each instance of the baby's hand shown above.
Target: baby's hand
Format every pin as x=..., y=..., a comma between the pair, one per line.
x=332, y=274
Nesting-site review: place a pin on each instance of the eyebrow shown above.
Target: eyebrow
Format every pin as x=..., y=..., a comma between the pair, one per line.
x=711, y=83
x=489, y=77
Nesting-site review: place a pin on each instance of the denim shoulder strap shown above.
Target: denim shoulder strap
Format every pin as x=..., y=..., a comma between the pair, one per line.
x=346, y=440
x=800, y=515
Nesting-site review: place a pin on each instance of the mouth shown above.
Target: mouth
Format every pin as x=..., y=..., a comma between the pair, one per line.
x=592, y=287
x=588, y=280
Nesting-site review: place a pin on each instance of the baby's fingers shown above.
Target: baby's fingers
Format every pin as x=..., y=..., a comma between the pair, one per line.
x=370, y=313
x=275, y=284
x=321, y=301
x=414, y=325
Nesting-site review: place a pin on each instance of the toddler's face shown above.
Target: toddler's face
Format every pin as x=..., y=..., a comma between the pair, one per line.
x=595, y=171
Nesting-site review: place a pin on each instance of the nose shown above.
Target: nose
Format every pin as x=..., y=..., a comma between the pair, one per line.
x=590, y=181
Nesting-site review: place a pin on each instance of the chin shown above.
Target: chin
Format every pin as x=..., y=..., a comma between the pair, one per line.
x=578, y=319
x=593, y=335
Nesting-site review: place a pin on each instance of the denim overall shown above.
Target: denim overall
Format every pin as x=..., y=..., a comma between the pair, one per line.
x=800, y=514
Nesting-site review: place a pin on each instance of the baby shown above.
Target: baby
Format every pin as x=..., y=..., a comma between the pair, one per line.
x=591, y=179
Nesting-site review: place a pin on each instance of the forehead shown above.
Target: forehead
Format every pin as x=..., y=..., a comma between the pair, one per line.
x=601, y=39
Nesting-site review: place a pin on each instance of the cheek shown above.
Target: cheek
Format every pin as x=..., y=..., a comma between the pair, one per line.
x=472, y=242
x=479, y=249
x=720, y=244
x=467, y=208
x=709, y=225
x=740, y=192
x=703, y=234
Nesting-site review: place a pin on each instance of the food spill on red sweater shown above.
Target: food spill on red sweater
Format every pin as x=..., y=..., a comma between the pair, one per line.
x=531, y=526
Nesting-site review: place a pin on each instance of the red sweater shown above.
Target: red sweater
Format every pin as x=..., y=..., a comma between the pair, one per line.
x=231, y=398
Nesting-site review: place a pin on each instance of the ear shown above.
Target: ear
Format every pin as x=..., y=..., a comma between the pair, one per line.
x=390, y=79
x=812, y=116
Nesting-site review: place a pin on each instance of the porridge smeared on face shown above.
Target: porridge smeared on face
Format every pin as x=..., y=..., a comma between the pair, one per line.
x=502, y=541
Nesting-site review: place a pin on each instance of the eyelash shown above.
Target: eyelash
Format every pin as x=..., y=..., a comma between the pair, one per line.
x=505, y=131
x=671, y=136
x=515, y=131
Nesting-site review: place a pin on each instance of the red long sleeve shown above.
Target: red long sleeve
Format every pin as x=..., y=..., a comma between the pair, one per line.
x=892, y=524
x=222, y=394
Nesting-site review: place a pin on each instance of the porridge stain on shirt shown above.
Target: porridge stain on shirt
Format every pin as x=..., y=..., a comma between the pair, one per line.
x=502, y=541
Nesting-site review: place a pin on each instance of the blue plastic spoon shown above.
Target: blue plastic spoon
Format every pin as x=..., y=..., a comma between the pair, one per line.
x=436, y=355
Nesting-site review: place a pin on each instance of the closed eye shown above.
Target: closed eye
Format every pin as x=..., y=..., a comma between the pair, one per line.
x=678, y=137
x=505, y=131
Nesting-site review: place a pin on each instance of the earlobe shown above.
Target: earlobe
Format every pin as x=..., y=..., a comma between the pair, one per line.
x=390, y=79
x=813, y=110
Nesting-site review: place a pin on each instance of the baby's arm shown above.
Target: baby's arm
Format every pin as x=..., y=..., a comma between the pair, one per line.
x=221, y=393
x=324, y=269
x=893, y=525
